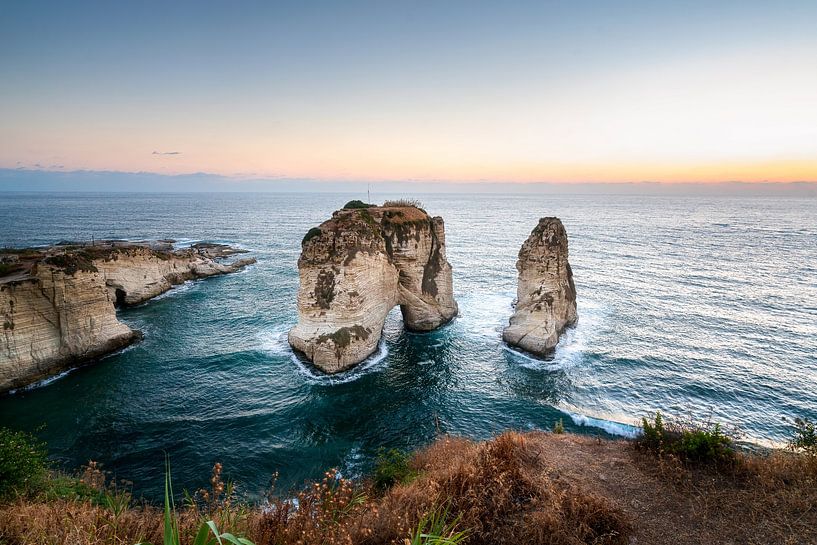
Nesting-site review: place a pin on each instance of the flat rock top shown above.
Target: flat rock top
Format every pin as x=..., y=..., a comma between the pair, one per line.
x=394, y=214
x=16, y=263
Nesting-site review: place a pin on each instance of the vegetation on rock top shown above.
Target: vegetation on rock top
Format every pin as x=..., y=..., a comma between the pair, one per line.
x=312, y=233
x=357, y=204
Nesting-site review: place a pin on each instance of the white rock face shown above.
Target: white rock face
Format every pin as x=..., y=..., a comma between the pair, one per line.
x=59, y=314
x=355, y=268
x=137, y=274
x=53, y=321
x=546, y=295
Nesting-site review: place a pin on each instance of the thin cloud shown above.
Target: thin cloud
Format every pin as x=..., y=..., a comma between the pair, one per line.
x=166, y=153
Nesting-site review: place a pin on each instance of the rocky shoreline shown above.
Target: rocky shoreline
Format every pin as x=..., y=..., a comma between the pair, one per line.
x=58, y=303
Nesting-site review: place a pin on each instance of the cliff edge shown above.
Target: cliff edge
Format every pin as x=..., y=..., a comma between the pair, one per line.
x=546, y=295
x=355, y=267
x=58, y=304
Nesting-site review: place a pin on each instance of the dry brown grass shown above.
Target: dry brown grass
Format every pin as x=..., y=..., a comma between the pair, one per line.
x=499, y=490
x=502, y=493
x=760, y=499
x=532, y=488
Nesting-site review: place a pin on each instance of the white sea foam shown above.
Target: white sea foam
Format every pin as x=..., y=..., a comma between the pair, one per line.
x=610, y=426
x=274, y=341
x=485, y=314
x=370, y=364
x=573, y=343
x=43, y=382
x=63, y=374
x=175, y=291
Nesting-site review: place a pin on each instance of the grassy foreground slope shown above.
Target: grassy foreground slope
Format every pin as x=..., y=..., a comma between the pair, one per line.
x=519, y=488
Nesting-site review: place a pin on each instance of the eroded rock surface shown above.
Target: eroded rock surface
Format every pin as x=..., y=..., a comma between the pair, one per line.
x=58, y=304
x=546, y=295
x=355, y=268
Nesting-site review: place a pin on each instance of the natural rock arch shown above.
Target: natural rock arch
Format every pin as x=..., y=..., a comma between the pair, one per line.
x=355, y=268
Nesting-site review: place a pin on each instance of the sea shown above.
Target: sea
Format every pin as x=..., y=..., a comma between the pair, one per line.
x=702, y=308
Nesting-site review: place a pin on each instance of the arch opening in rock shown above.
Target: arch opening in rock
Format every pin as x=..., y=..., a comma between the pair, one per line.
x=378, y=258
x=120, y=298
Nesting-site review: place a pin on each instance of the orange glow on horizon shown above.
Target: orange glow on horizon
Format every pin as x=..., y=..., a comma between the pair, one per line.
x=791, y=170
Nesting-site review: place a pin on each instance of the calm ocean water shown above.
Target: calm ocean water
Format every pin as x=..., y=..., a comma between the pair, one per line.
x=701, y=306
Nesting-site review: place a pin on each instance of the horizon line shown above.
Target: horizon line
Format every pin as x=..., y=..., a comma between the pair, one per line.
x=238, y=178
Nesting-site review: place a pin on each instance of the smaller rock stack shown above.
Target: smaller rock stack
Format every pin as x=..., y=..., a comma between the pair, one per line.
x=546, y=295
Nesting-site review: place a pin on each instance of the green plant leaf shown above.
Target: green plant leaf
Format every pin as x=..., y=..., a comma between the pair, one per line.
x=214, y=530
x=236, y=540
x=203, y=535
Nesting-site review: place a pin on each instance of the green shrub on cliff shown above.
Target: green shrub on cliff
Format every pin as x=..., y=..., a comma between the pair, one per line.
x=689, y=441
x=312, y=233
x=357, y=204
x=805, y=437
x=23, y=463
x=392, y=467
x=436, y=528
x=6, y=268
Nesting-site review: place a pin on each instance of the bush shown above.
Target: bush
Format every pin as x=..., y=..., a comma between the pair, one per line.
x=357, y=204
x=392, y=467
x=312, y=233
x=414, y=203
x=7, y=268
x=559, y=426
x=689, y=441
x=805, y=437
x=23, y=463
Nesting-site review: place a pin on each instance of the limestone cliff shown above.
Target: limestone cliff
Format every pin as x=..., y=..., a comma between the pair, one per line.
x=58, y=304
x=546, y=295
x=355, y=268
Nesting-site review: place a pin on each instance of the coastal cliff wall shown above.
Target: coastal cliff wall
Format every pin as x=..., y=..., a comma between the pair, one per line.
x=355, y=268
x=57, y=306
x=138, y=274
x=546, y=294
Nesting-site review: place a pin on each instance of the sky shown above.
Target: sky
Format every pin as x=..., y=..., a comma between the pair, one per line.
x=444, y=91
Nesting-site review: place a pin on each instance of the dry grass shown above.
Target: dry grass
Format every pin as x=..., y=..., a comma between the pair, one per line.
x=760, y=499
x=403, y=203
x=532, y=488
x=502, y=493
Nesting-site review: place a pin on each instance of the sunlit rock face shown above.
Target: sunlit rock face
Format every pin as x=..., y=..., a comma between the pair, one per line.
x=546, y=295
x=355, y=268
x=58, y=305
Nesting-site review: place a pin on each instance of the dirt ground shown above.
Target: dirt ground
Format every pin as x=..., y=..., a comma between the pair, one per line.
x=673, y=505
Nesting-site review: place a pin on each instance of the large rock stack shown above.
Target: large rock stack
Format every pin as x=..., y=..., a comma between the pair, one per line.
x=355, y=267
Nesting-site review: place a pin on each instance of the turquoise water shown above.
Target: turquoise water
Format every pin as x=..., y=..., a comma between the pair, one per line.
x=695, y=305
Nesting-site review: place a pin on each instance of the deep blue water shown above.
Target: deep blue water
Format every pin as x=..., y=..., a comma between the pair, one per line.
x=694, y=306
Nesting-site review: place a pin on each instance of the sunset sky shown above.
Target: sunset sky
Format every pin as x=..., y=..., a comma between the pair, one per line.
x=451, y=91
